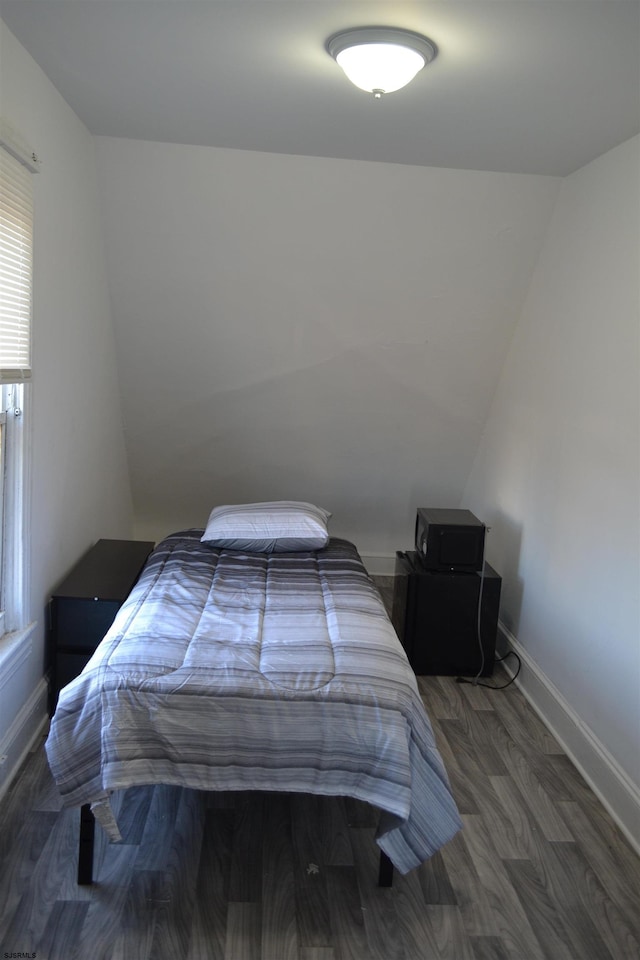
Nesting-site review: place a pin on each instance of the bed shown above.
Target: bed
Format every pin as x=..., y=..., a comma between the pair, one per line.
x=232, y=669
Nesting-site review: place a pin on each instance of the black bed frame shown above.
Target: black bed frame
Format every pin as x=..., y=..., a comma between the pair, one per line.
x=86, y=844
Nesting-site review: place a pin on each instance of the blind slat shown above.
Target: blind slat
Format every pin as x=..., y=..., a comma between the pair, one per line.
x=16, y=241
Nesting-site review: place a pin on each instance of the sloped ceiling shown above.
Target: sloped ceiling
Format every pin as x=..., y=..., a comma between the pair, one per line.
x=527, y=86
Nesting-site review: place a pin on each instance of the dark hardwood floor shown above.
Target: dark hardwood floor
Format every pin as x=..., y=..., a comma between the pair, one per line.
x=540, y=871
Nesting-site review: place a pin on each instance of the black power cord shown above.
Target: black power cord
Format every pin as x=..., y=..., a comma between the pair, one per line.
x=475, y=681
x=491, y=686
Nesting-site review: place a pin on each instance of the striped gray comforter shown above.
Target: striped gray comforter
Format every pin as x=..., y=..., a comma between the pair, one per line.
x=235, y=671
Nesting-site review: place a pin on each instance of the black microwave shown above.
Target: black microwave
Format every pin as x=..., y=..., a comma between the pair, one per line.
x=447, y=539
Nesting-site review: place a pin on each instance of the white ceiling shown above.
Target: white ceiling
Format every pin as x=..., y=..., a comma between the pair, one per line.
x=525, y=86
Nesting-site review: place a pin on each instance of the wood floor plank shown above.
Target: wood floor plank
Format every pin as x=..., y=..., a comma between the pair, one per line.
x=541, y=808
x=531, y=839
x=586, y=937
x=445, y=922
x=61, y=935
x=461, y=783
x=102, y=921
x=417, y=935
x=338, y=852
x=604, y=847
x=312, y=905
x=489, y=948
x=52, y=868
x=27, y=784
x=471, y=897
x=245, y=881
x=172, y=928
x=540, y=909
x=476, y=696
x=470, y=744
x=158, y=828
x=133, y=813
x=19, y=863
x=345, y=911
x=518, y=834
x=553, y=876
x=618, y=929
x=497, y=819
x=45, y=793
x=513, y=925
x=555, y=773
x=279, y=930
x=244, y=924
x=434, y=880
x=442, y=698
x=524, y=724
x=138, y=920
x=381, y=922
x=209, y=919
x=172, y=931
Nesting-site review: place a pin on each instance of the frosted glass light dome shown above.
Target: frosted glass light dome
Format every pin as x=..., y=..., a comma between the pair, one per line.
x=380, y=59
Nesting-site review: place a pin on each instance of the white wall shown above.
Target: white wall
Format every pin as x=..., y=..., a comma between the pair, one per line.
x=307, y=328
x=80, y=486
x=557, y=473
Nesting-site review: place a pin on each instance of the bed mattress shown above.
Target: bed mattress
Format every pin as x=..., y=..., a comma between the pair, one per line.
x=226, y=670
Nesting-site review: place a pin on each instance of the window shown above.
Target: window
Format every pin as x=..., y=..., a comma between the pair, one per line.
x=13, y=480
x=3, y=434
x=16, y=250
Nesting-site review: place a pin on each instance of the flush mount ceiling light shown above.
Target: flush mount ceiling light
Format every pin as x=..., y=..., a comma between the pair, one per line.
x=381, y=59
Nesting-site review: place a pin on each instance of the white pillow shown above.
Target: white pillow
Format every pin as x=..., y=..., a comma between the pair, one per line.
x=278, y=526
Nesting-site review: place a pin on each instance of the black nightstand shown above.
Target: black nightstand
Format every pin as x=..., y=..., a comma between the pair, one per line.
x=84, y=605
x=435, y=615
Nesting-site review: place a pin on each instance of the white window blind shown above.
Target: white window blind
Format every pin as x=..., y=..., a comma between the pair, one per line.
x=16, y=245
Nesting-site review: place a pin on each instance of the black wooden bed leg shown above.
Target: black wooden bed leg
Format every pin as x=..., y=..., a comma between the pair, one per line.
x=85, y=846
x=385, y=877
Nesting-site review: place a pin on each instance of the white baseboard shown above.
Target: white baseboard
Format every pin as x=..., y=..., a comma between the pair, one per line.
x=28, y=725
x=613, y=787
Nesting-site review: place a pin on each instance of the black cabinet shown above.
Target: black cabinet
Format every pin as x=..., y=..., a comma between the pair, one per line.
x=84, y=605
x=447, y=622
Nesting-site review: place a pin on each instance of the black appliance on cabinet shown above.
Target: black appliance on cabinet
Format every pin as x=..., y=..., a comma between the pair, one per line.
x=449, y=539
x=446, y=597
